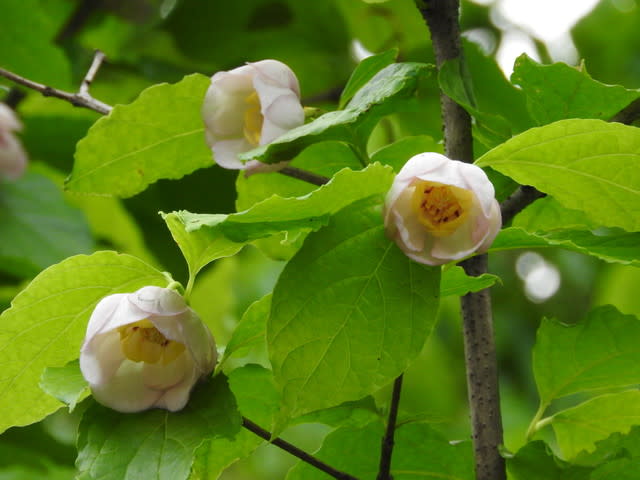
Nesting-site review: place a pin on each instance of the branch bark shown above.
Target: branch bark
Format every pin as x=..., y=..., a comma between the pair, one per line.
x=295, y=451
x=386, y=451
x=480, y=356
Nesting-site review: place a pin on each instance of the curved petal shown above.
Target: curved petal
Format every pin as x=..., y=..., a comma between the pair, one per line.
x=126, y=392
x=8, y=119
x=163, y=377
x=276, y=73
x=176, y=398
x=225, y=153
x=101, y=357
x=495, y=223
x=111, y=312
x=283, y=114
x=158, y=301
x=13, y=158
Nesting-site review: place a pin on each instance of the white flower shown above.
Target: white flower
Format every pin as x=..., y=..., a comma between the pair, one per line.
x=13, y=159
x=440, y=210
x=250, y=106
x=144, y=350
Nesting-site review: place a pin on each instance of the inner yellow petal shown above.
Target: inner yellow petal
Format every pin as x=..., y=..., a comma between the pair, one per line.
x=143, y=342
x=441, y=208
x=253, y=119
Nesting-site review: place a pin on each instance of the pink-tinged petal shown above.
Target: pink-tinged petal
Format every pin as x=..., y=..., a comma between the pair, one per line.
x=283, y=114
x=158, y=301
x=163, y=377
x=176, y=398
x=8, y=120
x=101, y=357
x=200, y=343
x=223, y=111
x=456, y=246
x=276, y=73
x=409, y=230
x=104, y=315
x=422, y=164
x=13, y=158
x=398, y=186
x=225, y=153
x=477, y=181
x=495, y=224
x=125, y=391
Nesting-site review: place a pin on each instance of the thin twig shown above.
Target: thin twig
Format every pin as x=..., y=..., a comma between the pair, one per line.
x=524, y=196
x=304, y=175
x=480, y=355
x=75, y=99
x=384, y=472
x=629, y=114
x=295, y=451
x=98, y=58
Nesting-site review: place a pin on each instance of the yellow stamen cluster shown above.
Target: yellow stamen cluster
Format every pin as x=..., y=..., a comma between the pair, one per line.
x=142, y=342
x=253, y=120
x=441, y=208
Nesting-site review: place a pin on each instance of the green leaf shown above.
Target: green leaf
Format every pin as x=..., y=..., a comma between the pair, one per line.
x=602, y=351
x=587, y=165
x=364, y=72
x=349, y=414
x=391, y=90
x=559, y=91
x=608, y=244
x=620, y=469
x=46, y=324
x=159, y=135
x=251, y=330
x=419, y=453
x=547, y=214
x=204, y=237
x=199, y=247
x=536, y=461
x=65, y=383
x=37, y=227
x=398, y=153
x=456, y=282
x=349, y=313
x=258, y=400
x=155, y=444
x=579, y=428
x=26, y=46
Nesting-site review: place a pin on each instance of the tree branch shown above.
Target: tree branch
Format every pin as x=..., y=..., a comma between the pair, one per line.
x=79, y=99
x=524, y=196
x=480, y=356
x=387, y=441
x=304, y=175
x=295, y=451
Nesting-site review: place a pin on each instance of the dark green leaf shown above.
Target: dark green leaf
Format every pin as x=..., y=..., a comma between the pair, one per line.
x=65, y=383
x=251, y=330
x=399, y=152
x=456, y=282
x=364, y=72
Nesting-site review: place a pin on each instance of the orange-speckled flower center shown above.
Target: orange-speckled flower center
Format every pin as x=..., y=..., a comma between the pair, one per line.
x=441, y=208
x=143, y=342
x=253, y=120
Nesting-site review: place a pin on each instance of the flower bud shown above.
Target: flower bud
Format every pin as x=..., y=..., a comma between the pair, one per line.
x=13, y=159
x=250, y=106
x=145, y=349
x=440, y=210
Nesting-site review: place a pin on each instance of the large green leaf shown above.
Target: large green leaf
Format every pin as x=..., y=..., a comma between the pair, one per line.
x=47, y=321
x=586, y=165
x=559, y=91
x=547, y=214
x=419, y=453
x=364, y=72
x=603, y=351
x=156, y=444
x=26, y=47
x=205, y=237
x=390, y=90
x=609, y=244
x=257, y=399
x=159, y=135
x=398, y=153
x=536, y=461
x=37, y=227
x=251, y=331
x=579, y=428
x=349, y=313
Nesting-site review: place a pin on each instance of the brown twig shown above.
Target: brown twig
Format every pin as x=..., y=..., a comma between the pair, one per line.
x=80, y=99
x=518, y=201
x=480, y=356
x=295, y=451
x=304, y=175
x=386, y=451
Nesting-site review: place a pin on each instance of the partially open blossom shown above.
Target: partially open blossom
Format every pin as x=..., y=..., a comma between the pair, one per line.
x=13, y=159
x=250, y=106
x=440, y=210
x=145, y=349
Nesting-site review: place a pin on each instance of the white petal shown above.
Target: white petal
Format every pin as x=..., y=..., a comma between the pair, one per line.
x=477, y=181
x=163, y=377
x=225, y=153
x=176, y=398
x=422, y=164
x=110, y=313
x=277, y=73
x=495, y=223
x=158, y=301
x=8, y=119
x=13, y=159
x=283, y=114
x=126, y=392
x=101, y=357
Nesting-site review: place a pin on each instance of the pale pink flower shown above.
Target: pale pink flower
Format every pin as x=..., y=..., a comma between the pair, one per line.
x=440, y=210
x=250, y=106
x=145, y=349
x=13, y=159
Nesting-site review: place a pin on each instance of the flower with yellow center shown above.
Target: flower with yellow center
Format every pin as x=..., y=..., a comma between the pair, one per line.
x=250, y=106
x=145, y=349
x=440, y=210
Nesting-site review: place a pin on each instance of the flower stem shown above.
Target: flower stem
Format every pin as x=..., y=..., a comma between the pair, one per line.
x=295, y=451
x=384, y=472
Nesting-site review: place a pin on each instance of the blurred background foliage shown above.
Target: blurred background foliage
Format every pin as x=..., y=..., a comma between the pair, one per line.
x=152, y=41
